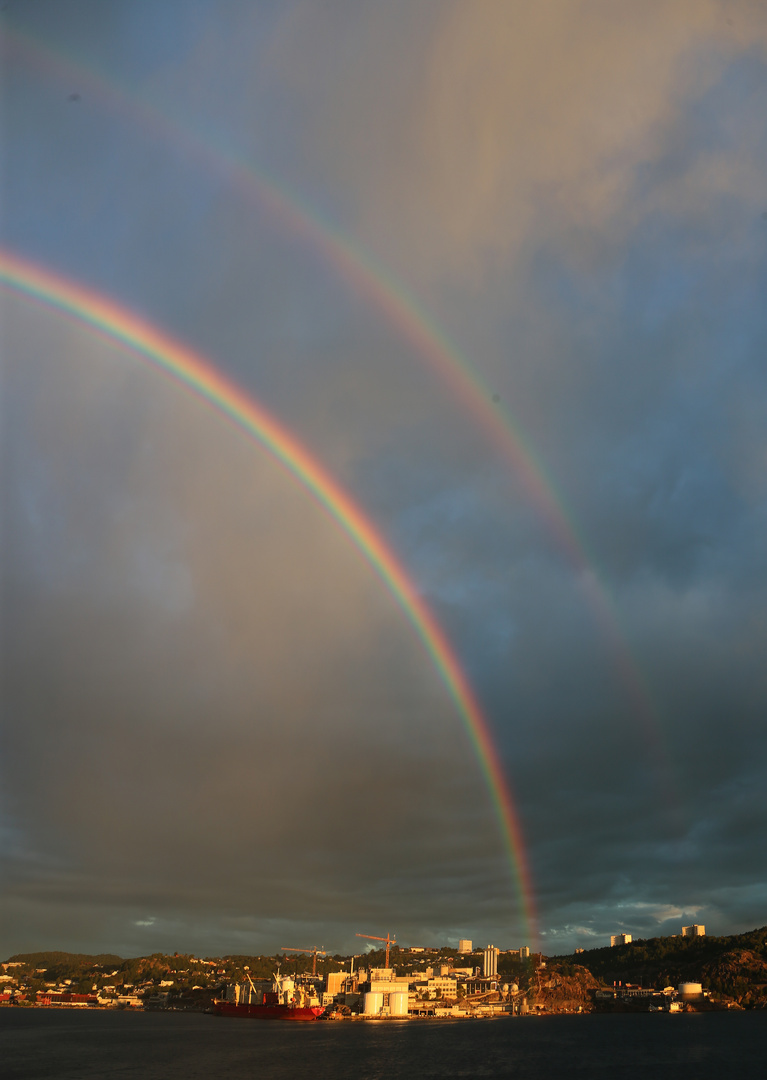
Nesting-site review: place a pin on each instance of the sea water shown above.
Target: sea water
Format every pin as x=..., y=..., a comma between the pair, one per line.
x=43, y=1044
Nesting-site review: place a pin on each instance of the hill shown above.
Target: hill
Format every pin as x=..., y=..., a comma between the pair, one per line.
x=73, y=960
x=734, y=967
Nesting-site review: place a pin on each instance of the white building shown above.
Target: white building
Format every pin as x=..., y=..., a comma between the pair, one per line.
x=387, y=997
x=490, y=962
x=464, y=945
x=620, y=939
x=443, y=985
x=695, y=930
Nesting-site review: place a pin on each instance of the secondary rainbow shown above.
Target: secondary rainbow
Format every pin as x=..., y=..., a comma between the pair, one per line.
x=191, y=370
x=384, y=292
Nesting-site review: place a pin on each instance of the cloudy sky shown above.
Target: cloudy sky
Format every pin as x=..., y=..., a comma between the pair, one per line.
x=501, y=268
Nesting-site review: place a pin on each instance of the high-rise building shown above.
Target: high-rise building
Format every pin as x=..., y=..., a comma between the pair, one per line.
x=620, y=939
x=490, y=966
x=524, y=952
x=464, y=945
x=694, y=931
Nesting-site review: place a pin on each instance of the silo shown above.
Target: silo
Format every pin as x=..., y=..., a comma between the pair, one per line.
x=373, y=1004
x=398, y=1004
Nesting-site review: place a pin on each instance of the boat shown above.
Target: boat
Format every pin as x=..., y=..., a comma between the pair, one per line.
x=285, y=1001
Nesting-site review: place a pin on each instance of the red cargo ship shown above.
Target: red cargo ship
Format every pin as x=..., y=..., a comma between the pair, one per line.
x=285, y=1002
x=268, y=1011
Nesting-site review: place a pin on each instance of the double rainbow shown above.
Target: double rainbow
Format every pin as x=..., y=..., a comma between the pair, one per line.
x=388, y=295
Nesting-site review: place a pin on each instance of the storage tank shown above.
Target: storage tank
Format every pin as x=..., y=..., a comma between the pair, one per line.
x=689, y=990
x=373, y=1003
x=398, y=1004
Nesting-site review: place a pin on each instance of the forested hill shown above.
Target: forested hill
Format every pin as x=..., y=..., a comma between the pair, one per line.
x=65, y=959
x=735, y=966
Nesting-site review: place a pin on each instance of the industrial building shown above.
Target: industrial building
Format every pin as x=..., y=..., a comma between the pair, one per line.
x=336, y=981
x=387, y=995
x=490, y=962
x=480, y=986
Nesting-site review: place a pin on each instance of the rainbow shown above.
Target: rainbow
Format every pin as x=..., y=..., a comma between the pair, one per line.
x=196, y=374
x=379, y=287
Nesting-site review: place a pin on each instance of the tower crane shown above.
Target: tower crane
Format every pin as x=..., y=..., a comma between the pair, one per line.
x=314, y=952
x=388, y=939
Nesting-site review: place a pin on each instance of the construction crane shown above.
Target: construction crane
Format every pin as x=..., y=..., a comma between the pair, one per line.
x=388, y=939
x=315, y=952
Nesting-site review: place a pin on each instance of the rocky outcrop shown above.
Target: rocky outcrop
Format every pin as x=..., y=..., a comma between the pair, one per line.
x=560, y=988
x=741, y=976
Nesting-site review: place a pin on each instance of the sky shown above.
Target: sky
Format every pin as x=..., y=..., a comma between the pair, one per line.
x=500, y=270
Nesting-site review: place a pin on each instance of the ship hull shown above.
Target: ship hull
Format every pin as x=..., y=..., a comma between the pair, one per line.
x=268, y=1012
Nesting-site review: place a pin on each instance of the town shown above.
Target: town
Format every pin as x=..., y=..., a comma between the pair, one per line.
x=688, y=972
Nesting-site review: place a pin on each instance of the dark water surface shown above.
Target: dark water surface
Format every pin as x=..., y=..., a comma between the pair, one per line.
x=39, y=1044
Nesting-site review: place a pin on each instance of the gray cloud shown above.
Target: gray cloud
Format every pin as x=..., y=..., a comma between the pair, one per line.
x=219, y=727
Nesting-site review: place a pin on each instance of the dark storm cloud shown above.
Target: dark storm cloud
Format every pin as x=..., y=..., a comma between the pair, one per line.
x=207, y=690
x=219, y=729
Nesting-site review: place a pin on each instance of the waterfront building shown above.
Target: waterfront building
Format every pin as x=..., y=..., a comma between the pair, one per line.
x=443, y=986
x=479, y=985
x=387, y=997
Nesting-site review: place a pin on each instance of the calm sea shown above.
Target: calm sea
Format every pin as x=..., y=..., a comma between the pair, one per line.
x=59, y=1045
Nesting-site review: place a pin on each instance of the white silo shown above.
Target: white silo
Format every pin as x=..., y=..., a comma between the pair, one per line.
x=373, y=1004
x=398, y=1004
